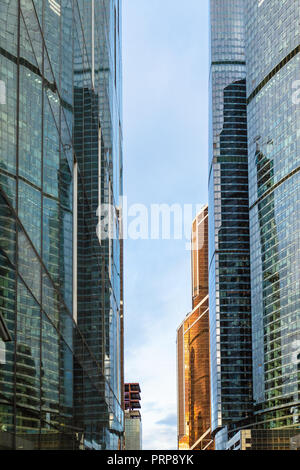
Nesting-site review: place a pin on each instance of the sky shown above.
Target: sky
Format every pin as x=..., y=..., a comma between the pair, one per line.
x=165, y=126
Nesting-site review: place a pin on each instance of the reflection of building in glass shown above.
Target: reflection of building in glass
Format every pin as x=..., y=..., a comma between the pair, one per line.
x=273, y=68
x=133, y=430
x=132, y=396
x=229, y=257
x=60, y=158
x=255, y=63
x=5, y=337
x=193, y=350
x=122, y=441
x=263, y=439
x=4, y=332
x=133, y=420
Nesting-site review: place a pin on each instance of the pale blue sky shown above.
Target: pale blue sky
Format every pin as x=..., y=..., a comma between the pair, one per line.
x=165, y=70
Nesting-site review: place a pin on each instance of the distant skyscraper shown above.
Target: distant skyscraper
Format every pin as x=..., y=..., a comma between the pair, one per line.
x=133, y=419
x=60, y=158
x=193, y=350
x=229, y=256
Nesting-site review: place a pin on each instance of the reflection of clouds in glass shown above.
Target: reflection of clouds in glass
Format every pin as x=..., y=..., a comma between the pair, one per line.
x=2, y=92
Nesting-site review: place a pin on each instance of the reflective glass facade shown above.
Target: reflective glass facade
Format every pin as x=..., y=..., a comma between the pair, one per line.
x=273, y=68
x=263, y=439
x=229, y=250
x=193, y=357
x=60, y=158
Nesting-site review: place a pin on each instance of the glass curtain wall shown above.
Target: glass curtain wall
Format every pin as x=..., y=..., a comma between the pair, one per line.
x=60, y=157
x=229, y=258
x=273, y=70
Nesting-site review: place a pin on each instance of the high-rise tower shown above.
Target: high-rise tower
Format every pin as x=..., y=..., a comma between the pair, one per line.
x=229, y=256
x=193, y=356
x=60, y=159
x=273, y=73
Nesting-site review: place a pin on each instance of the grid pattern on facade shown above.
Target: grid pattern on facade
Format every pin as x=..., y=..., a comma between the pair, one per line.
x=60, y=385
x=133, y=430
x=193, y=350
x=229, y=258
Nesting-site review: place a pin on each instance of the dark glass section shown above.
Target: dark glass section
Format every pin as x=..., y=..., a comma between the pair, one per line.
x=229, y=260
x=193, y=350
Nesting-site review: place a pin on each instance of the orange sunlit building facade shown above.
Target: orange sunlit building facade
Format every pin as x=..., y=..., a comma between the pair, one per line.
x=193, y=355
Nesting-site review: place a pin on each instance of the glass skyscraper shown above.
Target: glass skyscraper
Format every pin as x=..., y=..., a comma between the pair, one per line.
x=273, y=73
x=229, y=249
x=254, y=190
x=60, y=158
x=193, y=355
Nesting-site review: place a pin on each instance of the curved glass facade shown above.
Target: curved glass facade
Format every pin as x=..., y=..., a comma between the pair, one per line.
x=229, y=257
x=255, y=115
x=60, y=158
x=273, y=69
